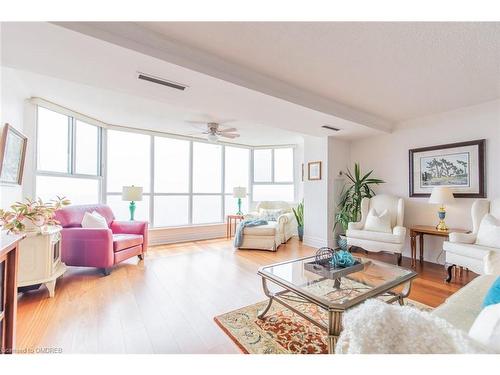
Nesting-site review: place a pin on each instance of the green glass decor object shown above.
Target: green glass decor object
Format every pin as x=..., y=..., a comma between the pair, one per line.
x=131, y=207
x=239, y=207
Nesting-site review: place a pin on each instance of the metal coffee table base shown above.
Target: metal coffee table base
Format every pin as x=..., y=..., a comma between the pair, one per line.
x=333, y=326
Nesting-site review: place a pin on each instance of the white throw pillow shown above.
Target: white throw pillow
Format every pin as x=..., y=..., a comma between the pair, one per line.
x=94, y=220
x=270, y=214
x=489, y=232
x=378, y=222
x=486, y=327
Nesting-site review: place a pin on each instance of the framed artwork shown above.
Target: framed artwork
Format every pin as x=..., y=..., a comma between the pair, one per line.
x=302, y=172
x=314, y=170
x=12, y=155
x=459, y=166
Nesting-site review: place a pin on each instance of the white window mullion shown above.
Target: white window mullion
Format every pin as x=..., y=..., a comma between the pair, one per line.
x=223, y=182
x=190, y=205
x=152, y=181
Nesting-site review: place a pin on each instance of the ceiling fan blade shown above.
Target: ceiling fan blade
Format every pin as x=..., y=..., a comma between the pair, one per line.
x=229, y=135
x=229, y=130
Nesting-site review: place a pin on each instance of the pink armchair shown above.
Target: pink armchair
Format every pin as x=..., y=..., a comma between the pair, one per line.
x=101, y=248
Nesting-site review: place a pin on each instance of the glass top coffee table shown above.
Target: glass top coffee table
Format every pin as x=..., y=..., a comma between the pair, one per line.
x=300, y=281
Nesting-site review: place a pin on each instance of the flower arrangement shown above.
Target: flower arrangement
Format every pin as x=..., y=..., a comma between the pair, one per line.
x=31, y=214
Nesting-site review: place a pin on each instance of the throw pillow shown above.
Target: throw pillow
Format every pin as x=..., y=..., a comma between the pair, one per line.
x=378, y=222
x=94, y=220
x=489, y=232
x=270, y=214
x=493, y=295
x=486, y=327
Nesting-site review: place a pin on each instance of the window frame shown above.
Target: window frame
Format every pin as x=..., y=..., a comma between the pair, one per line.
x=102, y=164
x=71, y=152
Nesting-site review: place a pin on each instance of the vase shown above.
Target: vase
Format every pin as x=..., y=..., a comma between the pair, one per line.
x=300, y=231
x=342, y=242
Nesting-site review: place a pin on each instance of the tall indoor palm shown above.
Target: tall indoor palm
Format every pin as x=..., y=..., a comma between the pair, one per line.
x=356, y=188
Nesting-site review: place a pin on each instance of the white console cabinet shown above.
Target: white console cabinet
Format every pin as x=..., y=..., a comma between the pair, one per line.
x=40, y=259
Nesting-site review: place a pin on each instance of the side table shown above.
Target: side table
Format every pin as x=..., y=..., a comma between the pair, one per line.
x=231, y=222
x=420, y=231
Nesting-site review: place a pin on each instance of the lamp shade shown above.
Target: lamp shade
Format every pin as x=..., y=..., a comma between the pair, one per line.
x=239, y=192
x=441, y=195
x=132, y=193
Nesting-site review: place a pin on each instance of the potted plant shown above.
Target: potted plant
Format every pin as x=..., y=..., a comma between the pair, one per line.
x=349, y=207
x=31, y=215
x=299, y=216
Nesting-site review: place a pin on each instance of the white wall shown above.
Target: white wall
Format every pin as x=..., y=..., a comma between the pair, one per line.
x=12, y=112
x=387, y=155
x=320, y=197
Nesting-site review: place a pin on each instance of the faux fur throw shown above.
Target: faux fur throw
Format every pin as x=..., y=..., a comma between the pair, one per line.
x=376, y=327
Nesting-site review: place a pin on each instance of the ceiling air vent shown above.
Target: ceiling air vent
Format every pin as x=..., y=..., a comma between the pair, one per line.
x=330, y=128
x=161, y=81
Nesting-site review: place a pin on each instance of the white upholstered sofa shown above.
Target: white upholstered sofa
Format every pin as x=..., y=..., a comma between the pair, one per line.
x=379, y=241
x=270, y=236
x=462, y=250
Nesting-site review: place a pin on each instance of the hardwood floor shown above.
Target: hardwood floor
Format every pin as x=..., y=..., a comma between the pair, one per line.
x=166, y=304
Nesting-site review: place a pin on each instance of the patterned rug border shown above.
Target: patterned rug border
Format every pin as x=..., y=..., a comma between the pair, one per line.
x=226, y=331
x=244, y=350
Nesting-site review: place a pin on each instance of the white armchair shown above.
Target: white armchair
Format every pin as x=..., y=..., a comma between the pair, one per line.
x=270, y=236
x=461, y=248
x=368, y=240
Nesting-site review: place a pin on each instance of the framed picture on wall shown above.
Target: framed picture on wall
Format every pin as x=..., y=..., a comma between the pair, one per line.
x=12, y=155
x=314, y=170
x=459, y=166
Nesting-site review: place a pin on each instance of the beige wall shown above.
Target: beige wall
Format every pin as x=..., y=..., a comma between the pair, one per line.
x=387, y=155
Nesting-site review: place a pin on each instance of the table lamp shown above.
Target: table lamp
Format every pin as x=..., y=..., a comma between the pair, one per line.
x=132, y=194
x=239, y=192
x=441, y=195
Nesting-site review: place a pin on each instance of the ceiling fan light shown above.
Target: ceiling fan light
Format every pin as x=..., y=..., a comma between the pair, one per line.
x=212, y=138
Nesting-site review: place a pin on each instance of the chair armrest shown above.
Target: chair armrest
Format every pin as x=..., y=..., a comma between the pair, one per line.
x=400, y=232
x=133, y=227
x=87, y=247
x=129, y=227
x=358, y=225
x=286, y=218
x=468, y=238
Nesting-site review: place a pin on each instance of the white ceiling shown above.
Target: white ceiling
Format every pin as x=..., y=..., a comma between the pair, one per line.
x=397, y=71
x=100, y=79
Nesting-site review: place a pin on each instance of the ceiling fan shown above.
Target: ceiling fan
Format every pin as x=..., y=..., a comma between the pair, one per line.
x=214, y=131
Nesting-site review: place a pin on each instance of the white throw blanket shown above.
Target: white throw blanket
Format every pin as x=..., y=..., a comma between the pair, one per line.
x=376, y=327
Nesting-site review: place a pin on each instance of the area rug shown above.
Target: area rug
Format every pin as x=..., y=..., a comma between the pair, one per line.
x=281, y=331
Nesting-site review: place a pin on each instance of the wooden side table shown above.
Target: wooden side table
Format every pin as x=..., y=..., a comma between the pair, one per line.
x=231, y=222
x=420, y=231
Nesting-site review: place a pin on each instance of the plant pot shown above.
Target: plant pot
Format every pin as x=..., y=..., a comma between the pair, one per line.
x=342, y=242
x=300, y=231
x=30, y=226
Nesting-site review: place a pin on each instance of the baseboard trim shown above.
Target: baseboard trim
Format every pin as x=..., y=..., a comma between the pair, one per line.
x=315, y=241
x=165, y=236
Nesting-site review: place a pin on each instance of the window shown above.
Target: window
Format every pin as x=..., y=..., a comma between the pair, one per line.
x=87, y=148
x=263, y=165
x=184, y=181
x=68, y=156
x=171, y=165
x=273, y=174
x=207, y=168
x=77, y=190
x=128, y=160
x=53, y=141
x=171, y=182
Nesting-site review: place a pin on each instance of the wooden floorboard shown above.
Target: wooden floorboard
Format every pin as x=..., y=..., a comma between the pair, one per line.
x=167, y=303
